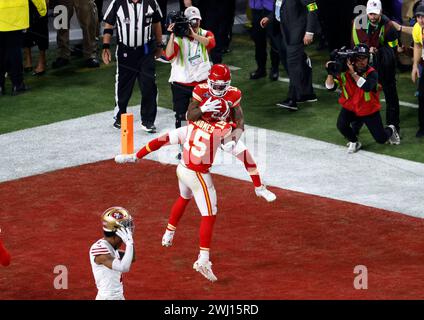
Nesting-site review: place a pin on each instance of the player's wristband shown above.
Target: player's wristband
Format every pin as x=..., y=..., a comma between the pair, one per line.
x=106, y=45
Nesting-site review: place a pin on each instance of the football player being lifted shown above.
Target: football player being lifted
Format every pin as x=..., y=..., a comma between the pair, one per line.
x=200, y=140
x=108, y=263
x=210, y=127
x=218, y=100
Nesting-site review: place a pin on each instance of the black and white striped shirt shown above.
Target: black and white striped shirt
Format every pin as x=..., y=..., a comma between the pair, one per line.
x=134, y=20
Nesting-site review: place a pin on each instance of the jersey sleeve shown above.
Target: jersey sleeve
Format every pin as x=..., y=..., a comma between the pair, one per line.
x=41, y=7
x=236, y=98
x=111, y=14
x=417, y=34
x=98, y=249
x=212, y=41
x=176, y=50
x=157, y=15
x=197, y=93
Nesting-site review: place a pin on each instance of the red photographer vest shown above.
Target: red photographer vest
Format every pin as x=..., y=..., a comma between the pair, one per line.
x=356, y=99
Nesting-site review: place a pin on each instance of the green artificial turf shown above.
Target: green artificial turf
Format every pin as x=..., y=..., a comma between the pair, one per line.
x=75, y=91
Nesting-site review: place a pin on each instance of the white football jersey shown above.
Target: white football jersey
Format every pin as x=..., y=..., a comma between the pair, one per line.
x=108, y=281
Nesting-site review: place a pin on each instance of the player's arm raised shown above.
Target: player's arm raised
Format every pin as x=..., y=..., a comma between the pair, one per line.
x=122, y=253
x=123, y=265
x=115, y=264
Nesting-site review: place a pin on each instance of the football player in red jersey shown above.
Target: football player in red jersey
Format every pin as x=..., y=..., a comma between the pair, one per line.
x=218, y=100
x=201, y=140
x=213, y=106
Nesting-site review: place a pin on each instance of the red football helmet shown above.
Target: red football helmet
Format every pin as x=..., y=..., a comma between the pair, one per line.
x=219, y=80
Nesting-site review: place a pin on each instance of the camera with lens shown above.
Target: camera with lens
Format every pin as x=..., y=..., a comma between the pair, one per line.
x=182, y=24
x=339, y=59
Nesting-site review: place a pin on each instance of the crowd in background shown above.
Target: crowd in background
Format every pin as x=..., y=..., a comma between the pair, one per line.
x=288, y=25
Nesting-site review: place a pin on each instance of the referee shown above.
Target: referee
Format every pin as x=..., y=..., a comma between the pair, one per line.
x=139, y=43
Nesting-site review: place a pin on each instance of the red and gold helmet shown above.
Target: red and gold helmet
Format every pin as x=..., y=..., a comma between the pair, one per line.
x=219, y=80
x=115, y=218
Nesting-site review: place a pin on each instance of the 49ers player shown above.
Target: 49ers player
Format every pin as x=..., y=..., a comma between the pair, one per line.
x=218, y=100
x=200, y=140
x=107, y=262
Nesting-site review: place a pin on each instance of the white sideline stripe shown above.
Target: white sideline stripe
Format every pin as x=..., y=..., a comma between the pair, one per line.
x=285, y=161
x=321, y=87
x=233, y=68
x=405, y=104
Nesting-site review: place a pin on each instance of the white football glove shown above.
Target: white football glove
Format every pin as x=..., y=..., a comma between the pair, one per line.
x=123, y=158
x=229, y=146
x=211, y=106
x=126, y=235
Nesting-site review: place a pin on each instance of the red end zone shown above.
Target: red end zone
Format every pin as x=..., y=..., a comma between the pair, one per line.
x=299, y=247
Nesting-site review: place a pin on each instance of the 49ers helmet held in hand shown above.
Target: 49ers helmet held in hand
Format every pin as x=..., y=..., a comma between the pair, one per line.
x=219, y=80
x=115, y=218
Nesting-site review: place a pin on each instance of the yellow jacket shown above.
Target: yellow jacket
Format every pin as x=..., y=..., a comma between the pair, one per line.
x=14, y=14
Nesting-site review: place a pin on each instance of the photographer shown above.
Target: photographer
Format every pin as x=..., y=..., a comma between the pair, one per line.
x=187, y=49
x=359, y=97
x=381, y=35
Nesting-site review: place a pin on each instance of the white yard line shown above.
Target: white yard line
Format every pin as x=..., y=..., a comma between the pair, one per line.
x=285, y=160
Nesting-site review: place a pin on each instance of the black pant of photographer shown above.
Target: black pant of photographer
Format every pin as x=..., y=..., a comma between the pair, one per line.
x=181, y=97
x=136, y=64
x=372, y=121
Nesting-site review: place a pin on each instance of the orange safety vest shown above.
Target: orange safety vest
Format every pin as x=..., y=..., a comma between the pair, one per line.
x=356, y=99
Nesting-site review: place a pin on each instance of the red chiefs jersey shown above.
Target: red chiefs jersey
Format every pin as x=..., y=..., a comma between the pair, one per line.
x=231, y=99
x=202, y=141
